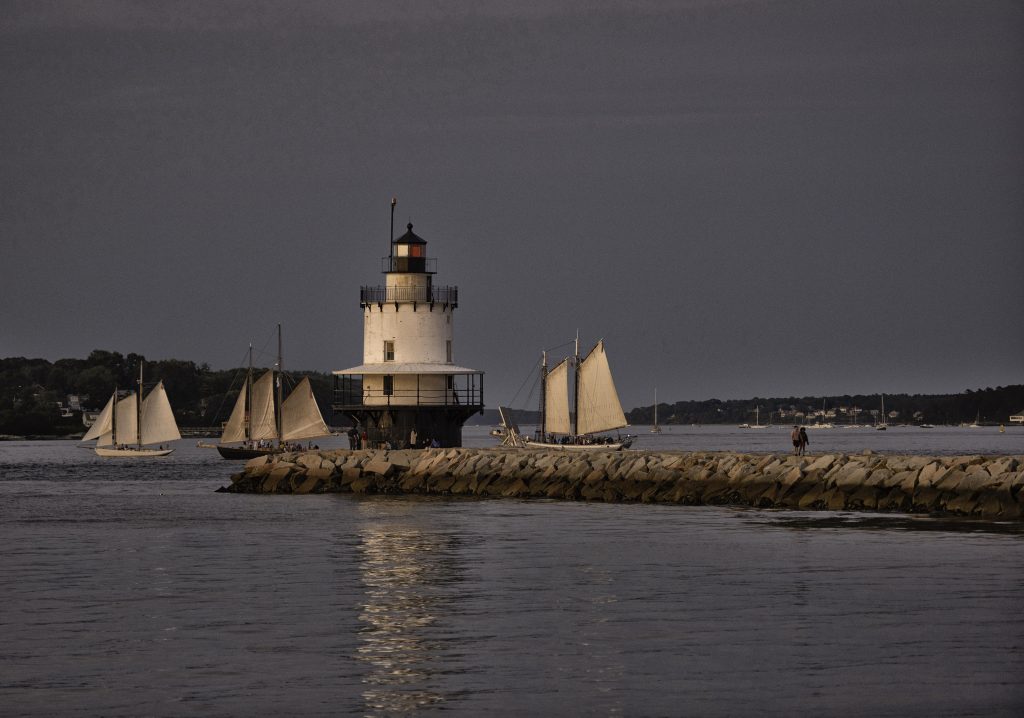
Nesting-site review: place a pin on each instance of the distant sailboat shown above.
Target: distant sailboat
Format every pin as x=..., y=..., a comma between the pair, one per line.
x=655, y=429
x=127, y=426
x=821, y=423
x=884, y=425
x=596, y=404
x=757, y=421
x=258, y=421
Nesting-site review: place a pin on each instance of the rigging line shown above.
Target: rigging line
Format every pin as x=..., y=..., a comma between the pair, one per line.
x=533, y=388
x=262, y=352
x=520, y=389
x=564, y=344
x=234, y=379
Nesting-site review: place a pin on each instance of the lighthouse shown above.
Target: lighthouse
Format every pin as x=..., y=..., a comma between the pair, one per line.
x=409, y=390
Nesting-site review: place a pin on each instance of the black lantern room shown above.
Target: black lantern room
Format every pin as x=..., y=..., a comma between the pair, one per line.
x=409, y=253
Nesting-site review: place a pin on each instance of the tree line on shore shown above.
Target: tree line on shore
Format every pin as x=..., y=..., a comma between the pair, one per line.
x=993, y=406
x=34, y=393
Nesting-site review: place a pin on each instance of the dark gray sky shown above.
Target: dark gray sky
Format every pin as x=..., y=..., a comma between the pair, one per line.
x=742, y=198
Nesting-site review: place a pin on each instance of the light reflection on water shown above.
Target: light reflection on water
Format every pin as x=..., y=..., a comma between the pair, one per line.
x=408, y=575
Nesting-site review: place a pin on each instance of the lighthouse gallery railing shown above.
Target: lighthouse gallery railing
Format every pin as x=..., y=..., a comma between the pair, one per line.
x=429, y=295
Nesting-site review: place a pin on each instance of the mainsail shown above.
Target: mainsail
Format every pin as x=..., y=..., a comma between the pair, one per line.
x=158, y=423
x=300, y=416
x=263, y=424
x=556, y=399
x=597, y=406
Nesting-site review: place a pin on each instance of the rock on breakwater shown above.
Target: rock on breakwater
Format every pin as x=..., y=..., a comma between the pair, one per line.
x=987, y=487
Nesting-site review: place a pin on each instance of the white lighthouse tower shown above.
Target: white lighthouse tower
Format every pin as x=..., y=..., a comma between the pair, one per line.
x=408, y=387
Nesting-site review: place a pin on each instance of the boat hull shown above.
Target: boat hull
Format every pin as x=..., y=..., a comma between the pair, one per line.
x=617, y=446
x=130, y=453
x=236, y=453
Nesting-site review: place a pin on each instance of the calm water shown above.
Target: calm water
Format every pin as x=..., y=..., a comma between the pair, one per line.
x=133, y=589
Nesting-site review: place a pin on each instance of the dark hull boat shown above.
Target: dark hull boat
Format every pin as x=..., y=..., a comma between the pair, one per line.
x=239, y=452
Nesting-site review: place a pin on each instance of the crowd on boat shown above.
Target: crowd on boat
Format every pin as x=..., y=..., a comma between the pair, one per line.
x=580, y=440
x=268, y=444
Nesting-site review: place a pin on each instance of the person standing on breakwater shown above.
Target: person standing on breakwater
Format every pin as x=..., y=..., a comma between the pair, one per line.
x=795, y=436
x=803, y=441
x=353, y=437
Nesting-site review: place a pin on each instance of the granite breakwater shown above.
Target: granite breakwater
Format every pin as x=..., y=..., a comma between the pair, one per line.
x=980, y=486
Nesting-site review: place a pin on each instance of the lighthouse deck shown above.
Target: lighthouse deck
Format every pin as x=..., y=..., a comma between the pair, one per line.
x=411, y=385
x=447, y=296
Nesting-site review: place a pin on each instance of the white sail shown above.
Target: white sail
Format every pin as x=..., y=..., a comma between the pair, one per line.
x=556, y=399
x=234, y=430
x=158, y=423
x=300, y=416
x=598, y=403
x=126, y=420
x=262, y=424
x=102, y=424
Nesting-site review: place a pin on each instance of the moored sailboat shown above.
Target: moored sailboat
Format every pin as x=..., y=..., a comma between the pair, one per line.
x=265, y=426
x=821, y=423
x=127, y=426
x=757, y=420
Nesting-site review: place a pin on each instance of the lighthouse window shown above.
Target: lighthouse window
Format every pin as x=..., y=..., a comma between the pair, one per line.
x=417, y=250
x=401, y=250
x=389, y=385
x=448, y=350
x=389, y=351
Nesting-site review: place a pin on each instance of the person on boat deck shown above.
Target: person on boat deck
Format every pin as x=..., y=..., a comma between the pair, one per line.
x=412, y=438
x=795, y=436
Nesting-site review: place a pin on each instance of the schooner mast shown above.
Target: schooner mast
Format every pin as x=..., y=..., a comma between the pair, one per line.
x=280, y=387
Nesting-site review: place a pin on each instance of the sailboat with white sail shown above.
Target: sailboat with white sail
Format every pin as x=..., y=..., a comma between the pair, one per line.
x=127, y=426
x=264, y=426
x=596, y=406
